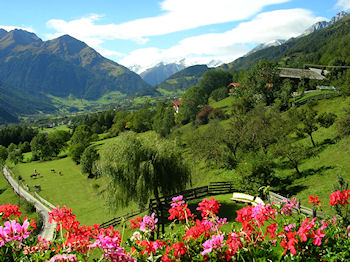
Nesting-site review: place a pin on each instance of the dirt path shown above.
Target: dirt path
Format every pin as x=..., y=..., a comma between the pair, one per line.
x=47, y=230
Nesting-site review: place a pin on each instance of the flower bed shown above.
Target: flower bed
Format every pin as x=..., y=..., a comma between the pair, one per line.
x=269, y=232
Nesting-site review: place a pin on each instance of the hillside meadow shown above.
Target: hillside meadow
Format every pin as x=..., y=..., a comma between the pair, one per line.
x=87, y=196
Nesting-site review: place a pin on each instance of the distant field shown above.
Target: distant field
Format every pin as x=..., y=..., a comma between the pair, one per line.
x=60, y=127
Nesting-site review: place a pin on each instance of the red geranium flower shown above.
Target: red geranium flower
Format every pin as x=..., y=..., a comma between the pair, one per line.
x=314, y=200
x=208, y=207
x=339, y=198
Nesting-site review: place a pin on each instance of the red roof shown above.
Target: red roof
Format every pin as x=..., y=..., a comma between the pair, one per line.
x=176, y=103
x=233, y=85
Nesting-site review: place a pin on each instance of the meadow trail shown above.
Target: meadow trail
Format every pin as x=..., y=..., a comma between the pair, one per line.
x=47, y=230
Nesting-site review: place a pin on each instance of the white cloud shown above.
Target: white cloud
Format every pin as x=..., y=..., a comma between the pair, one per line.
x=10, y=27
x=344, y=4
x=227, y=46
x=178, y=15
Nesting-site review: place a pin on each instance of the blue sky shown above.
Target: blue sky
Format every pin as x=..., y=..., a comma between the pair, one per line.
x=144, y=33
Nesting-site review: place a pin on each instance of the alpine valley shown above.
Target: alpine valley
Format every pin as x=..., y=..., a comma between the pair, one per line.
x=63, y=74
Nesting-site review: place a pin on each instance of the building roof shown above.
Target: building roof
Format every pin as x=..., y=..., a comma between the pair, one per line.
x=233, y=85
x=176, y=103
x=301, y=73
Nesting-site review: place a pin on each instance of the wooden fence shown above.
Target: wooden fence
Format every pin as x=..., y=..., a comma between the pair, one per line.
x=316, y=97
x=273, y=197
x=118, y=220
x=214, y=188
x=161, y=209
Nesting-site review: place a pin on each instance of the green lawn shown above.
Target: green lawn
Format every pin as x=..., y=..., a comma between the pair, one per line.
x=225, y=103
x=76, y=191
x=320, y=172
x=60, y=127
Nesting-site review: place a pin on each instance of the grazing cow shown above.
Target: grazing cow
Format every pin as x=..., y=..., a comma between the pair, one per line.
x=33, y=175
x=60, y=173
x=38, y=188
x=53, y=170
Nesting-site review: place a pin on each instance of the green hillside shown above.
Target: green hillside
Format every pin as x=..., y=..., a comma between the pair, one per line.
x=327, y=47
x=20, y=102
x=181, y=81
x=61, y=67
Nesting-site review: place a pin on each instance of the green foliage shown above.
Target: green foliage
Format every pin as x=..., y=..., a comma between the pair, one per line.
x=119, y=122
x=16, y=135
x=243, y=104
x=343, y=124
x=75, y=151
x=191, y=101
x=255, y=171
x=309, y=120
x=203, y=116
x=236, y=134
x=81, y=139
x=219, y=94
x=142, y=119
x=82, y=135
x=24, y=147
x=88, y=158
x=326, y=119
x=3, y=155
x=285, y=94
x=208, y=144
x=262, y=81
x=214, y=79
x=293, y=153
x=139, y=167
x=164, y=119
x=264, y=128
x=15, y=156
x=40, y=146
x=57, y=141
x=12, y=147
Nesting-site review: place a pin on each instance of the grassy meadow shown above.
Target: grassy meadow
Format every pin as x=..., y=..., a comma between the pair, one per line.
x=70, y=188
x=7, y=195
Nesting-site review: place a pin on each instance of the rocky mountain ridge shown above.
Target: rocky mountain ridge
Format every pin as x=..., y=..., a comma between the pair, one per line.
x=61, y=67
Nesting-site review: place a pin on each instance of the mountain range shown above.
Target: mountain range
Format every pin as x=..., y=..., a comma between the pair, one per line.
x=323, y=46
x=161, y=72
x=32, y=71
x=323, y=24
x=61, y=67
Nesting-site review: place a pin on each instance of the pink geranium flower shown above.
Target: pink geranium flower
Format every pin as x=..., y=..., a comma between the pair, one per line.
x=215, y=243
x=148, y=224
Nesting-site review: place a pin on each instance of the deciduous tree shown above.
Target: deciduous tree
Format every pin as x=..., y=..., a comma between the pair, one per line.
x=142, y=167
x=88, y=158
x=164, y=119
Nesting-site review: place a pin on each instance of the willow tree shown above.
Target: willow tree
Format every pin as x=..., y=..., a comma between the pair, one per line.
x=140, y=167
